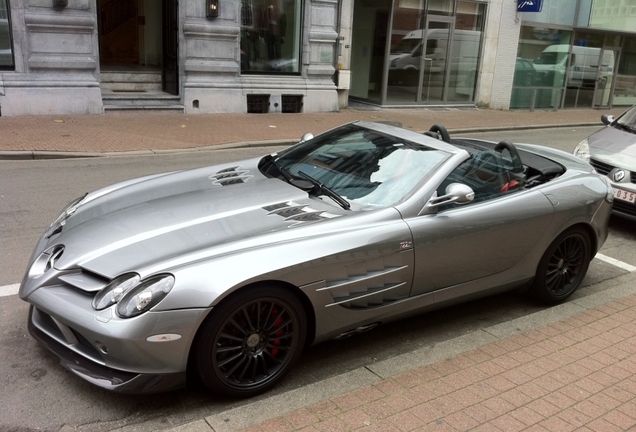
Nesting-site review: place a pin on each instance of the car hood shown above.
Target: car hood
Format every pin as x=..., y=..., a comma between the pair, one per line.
x=615, y=147
x=160, y=218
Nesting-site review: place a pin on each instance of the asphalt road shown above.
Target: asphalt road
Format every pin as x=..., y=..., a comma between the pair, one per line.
x=38, y=394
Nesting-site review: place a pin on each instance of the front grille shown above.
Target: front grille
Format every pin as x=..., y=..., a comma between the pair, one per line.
x=64, y=335
x=601, y=167
x=604, y=169
x=624, y=207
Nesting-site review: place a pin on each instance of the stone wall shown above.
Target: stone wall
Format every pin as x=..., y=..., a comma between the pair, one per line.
x=56, y=60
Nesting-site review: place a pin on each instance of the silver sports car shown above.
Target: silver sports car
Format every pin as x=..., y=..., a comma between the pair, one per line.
x=229, y=271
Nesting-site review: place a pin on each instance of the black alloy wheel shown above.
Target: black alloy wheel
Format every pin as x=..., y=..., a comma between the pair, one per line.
x=250, y=341
x=563, y=266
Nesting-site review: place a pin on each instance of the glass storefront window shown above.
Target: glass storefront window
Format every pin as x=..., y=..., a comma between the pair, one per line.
x=6, y=53
x=541, y=65
x=583, y=69
x=625, y=86
x=613, y=15
x=553, y=12
x=441, y=7
x=464, y=55
x=270, y=36
x=434, y=54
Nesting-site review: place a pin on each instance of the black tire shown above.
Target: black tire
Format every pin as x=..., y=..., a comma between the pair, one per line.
x=563, y=266
x=250, y=341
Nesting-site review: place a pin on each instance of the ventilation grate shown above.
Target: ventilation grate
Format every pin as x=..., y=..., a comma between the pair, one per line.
x=257, y=104
x=292, y=103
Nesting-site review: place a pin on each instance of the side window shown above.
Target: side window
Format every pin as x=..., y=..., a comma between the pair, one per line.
x=6, y=52
x=488, y=174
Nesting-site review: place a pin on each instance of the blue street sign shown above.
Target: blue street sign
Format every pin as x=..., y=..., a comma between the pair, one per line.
x=528, y=5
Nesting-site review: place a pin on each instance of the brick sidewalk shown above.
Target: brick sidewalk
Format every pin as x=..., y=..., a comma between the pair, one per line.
x=161, y=132
x=576, y=374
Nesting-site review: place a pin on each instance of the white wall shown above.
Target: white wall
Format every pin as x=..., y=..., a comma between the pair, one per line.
x=500, y=53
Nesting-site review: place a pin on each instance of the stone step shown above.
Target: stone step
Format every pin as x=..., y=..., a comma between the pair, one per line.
x=141, y=80
x=140, y=101
x=143, y=109
x=130, y=86
x=138, y=98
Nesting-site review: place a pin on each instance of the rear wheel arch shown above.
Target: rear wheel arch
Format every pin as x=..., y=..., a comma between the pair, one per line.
x=564, y=264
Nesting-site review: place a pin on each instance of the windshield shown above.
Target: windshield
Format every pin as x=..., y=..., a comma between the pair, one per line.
x=405, y=46
x=367, y=168
x=550, y=58
x=628, y=118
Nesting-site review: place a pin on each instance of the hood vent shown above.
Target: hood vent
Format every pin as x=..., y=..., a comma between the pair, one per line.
x=230, y=176
x=298, y=213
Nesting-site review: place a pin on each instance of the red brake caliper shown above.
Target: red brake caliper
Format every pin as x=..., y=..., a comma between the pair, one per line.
x=278, y=322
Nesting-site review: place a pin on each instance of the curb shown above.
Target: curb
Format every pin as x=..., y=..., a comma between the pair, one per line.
x=43, y=155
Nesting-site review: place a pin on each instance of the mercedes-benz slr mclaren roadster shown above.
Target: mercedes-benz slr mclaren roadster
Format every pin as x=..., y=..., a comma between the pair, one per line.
x=229, y=271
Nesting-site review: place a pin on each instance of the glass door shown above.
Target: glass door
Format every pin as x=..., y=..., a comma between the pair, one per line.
x=433, y=79
x=605, y=77
x=419, y=61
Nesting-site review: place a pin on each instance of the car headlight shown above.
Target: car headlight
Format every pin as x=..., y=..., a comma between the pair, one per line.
x=114, y=291
x=609, y=193
x=145, y=295
x=583, y=150
x=57, y=225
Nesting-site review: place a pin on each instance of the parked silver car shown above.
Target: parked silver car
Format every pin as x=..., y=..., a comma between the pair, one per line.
x=612, y=152
x=231, y=270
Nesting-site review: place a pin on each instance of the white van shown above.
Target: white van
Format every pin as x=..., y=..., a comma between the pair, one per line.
x=406, y=55
x=584, y=64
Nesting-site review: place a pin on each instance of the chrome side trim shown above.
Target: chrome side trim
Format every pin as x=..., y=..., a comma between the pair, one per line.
x=364, y=278
x=366, y=294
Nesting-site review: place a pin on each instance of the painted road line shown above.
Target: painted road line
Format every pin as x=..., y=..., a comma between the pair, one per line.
x=8, y=290
x=615, y=262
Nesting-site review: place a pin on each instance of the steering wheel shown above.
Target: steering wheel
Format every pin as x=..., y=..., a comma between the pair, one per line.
x=517, y=166
x=438, y=131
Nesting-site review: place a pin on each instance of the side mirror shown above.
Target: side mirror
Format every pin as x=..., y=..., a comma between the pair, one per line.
x=455, y=193
x=306, y=137
x=607, y=119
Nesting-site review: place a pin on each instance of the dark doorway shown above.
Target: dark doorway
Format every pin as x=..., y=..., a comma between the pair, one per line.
x=138, y=42
x=170, y=47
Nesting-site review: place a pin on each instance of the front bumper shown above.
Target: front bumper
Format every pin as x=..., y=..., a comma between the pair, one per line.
x=619, y=178
x=122, y=355
x=100, y=375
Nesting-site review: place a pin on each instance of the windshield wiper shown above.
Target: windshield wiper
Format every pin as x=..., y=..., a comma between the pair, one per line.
x=626, y=127
x=327, y=191
x=271, y=159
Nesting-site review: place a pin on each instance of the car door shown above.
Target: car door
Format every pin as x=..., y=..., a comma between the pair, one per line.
x=466, y=242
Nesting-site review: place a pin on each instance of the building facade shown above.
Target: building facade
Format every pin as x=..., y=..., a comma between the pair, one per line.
x=221, y=56
x=577, y=54
x=85, y=56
